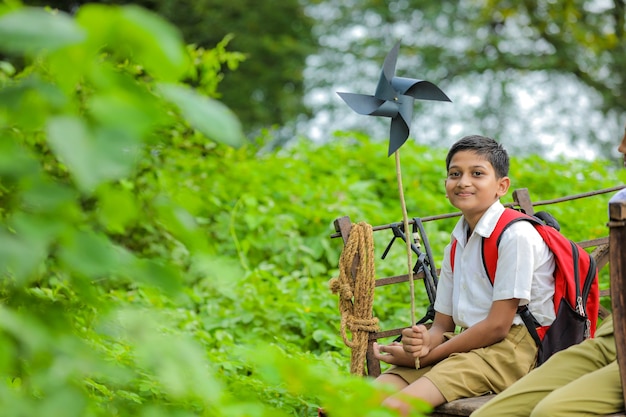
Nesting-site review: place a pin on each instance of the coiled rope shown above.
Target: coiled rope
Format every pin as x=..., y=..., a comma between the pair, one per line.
x=355, y=286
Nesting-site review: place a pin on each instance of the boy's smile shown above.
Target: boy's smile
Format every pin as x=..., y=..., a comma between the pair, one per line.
x=472, y=185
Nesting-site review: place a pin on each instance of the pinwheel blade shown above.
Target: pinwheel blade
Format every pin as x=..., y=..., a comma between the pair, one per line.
x=369, y=105
x=385, y=89
x=394, y=98
x=398, y=134
x=419, y=89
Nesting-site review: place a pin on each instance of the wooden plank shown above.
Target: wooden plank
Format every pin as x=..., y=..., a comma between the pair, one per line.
x=373, y=364
x=343, y=225
x=617, y=260
x=601, y=254
x=386, y=333
x=594, y=242
x=381, y=282
x=603, y=311
x=522, y=199
x=465, y=406
x=462, y=407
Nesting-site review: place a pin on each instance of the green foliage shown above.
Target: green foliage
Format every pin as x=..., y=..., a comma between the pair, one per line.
x=263, y=82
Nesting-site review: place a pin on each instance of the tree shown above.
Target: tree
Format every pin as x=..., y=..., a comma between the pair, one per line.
x=524, y=72
x=265, y=89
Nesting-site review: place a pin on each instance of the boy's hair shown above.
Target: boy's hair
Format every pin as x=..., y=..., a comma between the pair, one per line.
x=486, y=147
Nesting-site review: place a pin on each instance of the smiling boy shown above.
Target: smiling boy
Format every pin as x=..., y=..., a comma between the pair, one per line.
x=494, y=349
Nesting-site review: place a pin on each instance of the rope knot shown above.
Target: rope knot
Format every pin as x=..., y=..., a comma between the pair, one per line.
x=364, y=325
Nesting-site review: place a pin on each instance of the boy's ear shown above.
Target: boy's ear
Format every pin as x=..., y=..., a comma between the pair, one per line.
x=503, y=186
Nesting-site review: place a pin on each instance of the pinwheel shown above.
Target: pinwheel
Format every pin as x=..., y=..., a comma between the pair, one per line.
x=394, y=98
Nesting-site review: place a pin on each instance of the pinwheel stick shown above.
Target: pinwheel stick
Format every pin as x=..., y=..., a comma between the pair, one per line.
x=405, y=219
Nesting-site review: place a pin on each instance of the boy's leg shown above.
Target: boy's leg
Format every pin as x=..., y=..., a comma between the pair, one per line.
x=422, y=388
x=469, y=374
x=391, y=379
x=597, y=393
x=399, y=381
x=561, y=369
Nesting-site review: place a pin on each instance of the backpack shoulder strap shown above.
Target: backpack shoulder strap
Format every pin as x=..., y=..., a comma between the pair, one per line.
x=490, y=244
x=453, y=253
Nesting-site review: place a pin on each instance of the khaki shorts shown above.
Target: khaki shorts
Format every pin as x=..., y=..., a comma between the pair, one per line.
x=480, y=371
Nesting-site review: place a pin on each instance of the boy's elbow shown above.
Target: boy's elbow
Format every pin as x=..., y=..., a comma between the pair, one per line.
x=501, y=331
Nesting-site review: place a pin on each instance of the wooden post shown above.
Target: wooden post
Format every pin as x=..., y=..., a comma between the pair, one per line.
x=617, y=264
x=521, y=197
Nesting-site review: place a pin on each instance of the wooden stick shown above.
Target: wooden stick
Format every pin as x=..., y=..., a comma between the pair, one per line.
x=407, y=234
x=617, y=262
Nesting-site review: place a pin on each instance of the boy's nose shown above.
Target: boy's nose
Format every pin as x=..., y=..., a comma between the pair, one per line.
x=464, y=180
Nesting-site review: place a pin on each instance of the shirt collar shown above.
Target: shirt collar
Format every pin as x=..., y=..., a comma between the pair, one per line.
x=485, y=225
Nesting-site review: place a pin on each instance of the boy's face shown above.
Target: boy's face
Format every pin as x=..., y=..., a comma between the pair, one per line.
x=472, y=185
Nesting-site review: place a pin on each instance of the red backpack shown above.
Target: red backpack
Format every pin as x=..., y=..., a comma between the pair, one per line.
x=576, y=294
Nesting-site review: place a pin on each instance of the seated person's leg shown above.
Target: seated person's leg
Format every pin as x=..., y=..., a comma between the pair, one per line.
x=561, y=369
x=596, y=393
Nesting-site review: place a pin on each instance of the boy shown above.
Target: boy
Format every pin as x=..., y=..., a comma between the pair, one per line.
x=494, y=349
x=583, y=380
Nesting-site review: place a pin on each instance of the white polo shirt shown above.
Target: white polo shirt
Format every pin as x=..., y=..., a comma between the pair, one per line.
x=525, y=270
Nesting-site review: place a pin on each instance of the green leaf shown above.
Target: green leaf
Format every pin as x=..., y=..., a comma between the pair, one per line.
x=24, y=328
x=14, y=160
x=210, y=117
x=181, y=224
x=131, y=32
x=168, y=55
x=117, y=209
x=45, y=196
x=125, y=110
x=66, y=401
x=18, y=257
x=28, y=103
x=176, y=360
x=32, y=30
x=158, y=274
x=25, y=248
x=92, y=156
x=93, y=255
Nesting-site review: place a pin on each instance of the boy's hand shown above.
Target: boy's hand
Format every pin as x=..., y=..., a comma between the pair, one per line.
x=393, y=354
x=416, y=341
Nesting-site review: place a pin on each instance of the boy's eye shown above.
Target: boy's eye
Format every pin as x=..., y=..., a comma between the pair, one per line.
x=477, y=173
x=453, y=174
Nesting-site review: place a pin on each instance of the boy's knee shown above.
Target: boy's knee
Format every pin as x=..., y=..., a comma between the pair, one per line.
x=398, y=405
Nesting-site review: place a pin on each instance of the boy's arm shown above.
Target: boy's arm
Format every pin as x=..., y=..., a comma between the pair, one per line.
x=491, y=330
